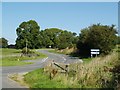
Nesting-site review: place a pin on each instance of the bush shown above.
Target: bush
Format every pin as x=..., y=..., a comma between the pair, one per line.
x=26, y=51
x=97, y=37
x=62, y=46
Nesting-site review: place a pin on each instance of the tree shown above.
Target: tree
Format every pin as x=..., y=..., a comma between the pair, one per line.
x=97, y=37
x=50, y=37
x=118, y=40
x=28, y=34
x=67, y=39
x=3, y=42
x=57, y=38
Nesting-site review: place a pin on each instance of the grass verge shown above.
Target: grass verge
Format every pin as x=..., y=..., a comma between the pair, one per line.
x=63, y=51
x=12, y=57
x=95, y=74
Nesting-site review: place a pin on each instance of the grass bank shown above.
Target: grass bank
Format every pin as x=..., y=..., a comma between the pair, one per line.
x=63, y=51
x=95, y=74
x=12, y=57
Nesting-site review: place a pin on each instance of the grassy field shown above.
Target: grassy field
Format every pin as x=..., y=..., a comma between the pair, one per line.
x=12, y=57
x=6, y=51
x=95, y=74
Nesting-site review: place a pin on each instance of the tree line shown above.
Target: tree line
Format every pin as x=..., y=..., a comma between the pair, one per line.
x=96, y=36
x=29, y=33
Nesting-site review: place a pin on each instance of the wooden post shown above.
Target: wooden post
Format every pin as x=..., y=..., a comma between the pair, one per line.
x=67, y=68
x=51, y=69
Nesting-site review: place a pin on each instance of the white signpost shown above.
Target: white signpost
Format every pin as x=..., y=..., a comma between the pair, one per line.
x=94, y=51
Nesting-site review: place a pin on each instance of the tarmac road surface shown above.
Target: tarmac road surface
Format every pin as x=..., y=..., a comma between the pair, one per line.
x=60, y=58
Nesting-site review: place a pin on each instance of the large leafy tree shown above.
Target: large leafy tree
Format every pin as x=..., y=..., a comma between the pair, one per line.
x=50, y=37
x=118, y=40
x=3, y=42
x=28, y=32
x=57, y=38
x=98, y=36
x=67, y=39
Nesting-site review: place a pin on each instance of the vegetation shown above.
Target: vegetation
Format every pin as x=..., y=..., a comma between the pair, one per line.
x=98, y=36
x=29, y=34
x=39, y=79
x=12, y=57
x=6, y=51
x=13, y=61
x=118, y=40
x=26, y=51
x=98, y=73
x=3, y=42
x=63, y=51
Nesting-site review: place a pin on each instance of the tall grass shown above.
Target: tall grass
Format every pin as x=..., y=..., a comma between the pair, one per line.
x=95, y=74
x=66, y=51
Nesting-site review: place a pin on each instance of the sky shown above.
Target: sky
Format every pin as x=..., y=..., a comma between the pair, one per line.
x=71, y=16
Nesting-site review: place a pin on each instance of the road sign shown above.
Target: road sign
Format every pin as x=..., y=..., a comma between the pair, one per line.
x=94, y=51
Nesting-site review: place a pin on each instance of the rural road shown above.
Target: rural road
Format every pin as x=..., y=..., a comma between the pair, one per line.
x=8, y=83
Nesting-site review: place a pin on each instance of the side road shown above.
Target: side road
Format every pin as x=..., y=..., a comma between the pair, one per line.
x=8, y=83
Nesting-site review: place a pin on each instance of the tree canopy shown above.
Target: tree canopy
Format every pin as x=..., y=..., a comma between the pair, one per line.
x=97, y=36
x=57, y=38
x=118, y=41
x=29, y=33
x=3, y=42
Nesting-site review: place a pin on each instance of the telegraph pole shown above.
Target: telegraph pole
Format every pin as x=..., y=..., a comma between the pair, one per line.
x=26, y=46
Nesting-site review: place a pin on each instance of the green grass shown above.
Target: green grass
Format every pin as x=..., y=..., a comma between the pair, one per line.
x=39, y=79
x=88, y=75
x=12, y=57
x=6, y=51
x=13, y=61
x=87, y=60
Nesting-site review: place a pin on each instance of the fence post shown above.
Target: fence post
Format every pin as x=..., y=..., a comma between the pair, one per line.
x=67, y=68
x=51, y=67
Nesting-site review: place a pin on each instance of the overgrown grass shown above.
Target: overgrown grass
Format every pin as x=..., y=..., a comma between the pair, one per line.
x=12, y=57
x=95, y=74
x=63, y=51
x=56, y=51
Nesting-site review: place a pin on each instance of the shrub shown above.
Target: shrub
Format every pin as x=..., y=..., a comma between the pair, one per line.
x=26, y=51
x=98, y=36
